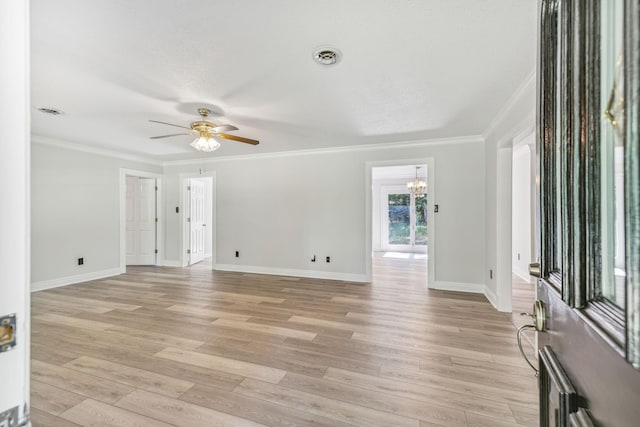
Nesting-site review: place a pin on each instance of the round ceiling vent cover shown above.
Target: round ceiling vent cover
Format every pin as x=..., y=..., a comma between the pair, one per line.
x=327, y=56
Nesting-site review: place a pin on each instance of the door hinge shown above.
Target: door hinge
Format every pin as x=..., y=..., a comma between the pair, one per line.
x=9, y=418
x=156, y=251
x=189, y=188
x=188, y=251
x=7, y=333
x=156, y=219
x=156, y=188
x=188, y=219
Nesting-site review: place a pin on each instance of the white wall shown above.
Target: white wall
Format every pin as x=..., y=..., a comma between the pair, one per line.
x=279, y=211
x=75, y=213
x=521, y=215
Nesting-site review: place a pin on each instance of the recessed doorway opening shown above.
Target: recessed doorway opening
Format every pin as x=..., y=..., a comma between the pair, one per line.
x=400, y=230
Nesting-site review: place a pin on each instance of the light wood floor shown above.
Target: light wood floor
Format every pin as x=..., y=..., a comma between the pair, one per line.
x=194, y=347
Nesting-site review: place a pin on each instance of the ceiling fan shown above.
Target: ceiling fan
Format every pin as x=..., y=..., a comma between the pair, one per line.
x=206, y=133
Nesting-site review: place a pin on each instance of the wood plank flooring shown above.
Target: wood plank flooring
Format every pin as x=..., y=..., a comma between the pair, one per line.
x=195, y=347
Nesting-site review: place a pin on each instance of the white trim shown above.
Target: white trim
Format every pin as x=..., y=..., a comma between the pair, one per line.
x=92, y=150
x=431, y=224
x=333, y=150
x=171, y=263
x=504, y=180
x=123, y=214
x=491, y=296
x=508, y=106
x=476, y=288
x=330, y=275
x=79, y=278
x=522, y=130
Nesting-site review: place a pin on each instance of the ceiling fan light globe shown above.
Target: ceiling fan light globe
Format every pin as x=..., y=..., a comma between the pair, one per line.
x=205, y=144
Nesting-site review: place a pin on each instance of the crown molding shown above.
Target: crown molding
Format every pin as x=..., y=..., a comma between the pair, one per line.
x=333, y=150
x=510, y=104
x=53, y=142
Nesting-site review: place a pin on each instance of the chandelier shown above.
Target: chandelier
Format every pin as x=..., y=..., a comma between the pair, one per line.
x=417, y=188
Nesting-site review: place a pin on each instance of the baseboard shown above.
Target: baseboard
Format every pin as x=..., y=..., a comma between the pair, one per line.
x=171, y=263
x=79, y=278
x=492, y=297
x=475, y=288
x=524, y=275
x=330, y=275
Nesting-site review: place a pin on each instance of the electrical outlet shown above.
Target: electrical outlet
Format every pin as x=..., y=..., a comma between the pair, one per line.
x=328, y=259
x=81, y=261
x=237, y=254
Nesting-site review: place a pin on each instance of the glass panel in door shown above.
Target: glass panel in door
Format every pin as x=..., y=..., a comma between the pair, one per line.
x=420, y=220
x=399, y=215
x=612, y=153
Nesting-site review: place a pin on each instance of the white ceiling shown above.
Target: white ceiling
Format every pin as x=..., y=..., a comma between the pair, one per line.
x=411, y=70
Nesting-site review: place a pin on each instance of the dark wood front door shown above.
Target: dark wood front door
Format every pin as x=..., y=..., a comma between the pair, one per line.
x=589, y=216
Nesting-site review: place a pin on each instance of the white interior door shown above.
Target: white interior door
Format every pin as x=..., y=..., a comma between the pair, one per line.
x=141, y=221
x=14, y=212
x=197, y=225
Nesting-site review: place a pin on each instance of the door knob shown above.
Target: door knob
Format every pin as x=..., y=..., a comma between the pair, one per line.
x=534, y=269
x=538, y=316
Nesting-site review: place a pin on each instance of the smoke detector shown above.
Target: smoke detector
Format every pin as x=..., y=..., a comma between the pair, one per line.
x=327, y=56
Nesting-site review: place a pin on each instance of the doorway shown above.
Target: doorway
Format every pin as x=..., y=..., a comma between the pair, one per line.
x=401, y=230
x=523, y=233
x=198, y=203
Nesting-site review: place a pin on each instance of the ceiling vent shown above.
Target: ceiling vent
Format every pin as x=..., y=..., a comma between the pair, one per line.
x=327, y=56
x=51, y=111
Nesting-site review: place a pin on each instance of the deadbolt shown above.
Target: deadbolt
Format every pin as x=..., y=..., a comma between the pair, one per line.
x=534, y=269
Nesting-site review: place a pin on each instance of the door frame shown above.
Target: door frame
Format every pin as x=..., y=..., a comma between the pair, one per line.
x=184, y=211
x=429, y=162
x=503, y=215
x=15, y=228
x=123, y=215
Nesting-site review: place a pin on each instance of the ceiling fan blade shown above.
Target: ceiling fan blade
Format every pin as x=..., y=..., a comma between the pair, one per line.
x=237, y=138
x=223, y=128
x=167, y=136
x=170, y=124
